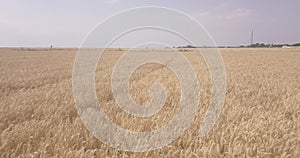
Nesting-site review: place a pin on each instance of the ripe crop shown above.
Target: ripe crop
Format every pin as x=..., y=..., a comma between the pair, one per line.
x=260, y=117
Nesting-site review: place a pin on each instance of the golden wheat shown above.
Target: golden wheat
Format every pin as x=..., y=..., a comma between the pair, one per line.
x=260, y=118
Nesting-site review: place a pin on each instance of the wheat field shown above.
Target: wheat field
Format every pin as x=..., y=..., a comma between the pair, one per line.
x=260, y=117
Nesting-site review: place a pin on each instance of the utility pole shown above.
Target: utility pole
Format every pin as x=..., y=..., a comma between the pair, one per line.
x=252, y=37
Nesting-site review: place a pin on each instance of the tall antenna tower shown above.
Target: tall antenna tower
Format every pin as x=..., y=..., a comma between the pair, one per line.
x=252, y=37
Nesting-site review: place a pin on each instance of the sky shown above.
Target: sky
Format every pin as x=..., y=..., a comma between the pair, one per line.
x=65, y=23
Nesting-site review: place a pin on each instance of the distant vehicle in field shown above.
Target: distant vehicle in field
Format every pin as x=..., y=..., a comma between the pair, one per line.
x=286, y=47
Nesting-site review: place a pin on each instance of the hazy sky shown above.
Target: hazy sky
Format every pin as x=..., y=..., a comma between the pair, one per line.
x=65, y=23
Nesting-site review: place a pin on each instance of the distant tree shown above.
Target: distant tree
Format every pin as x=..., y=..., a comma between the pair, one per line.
x=258, y=45
x=262, y=45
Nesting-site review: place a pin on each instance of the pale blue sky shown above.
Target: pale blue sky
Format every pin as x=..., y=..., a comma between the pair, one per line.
x=65, y=23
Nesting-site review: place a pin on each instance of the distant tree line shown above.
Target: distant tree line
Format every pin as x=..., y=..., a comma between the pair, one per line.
x=256, y=45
